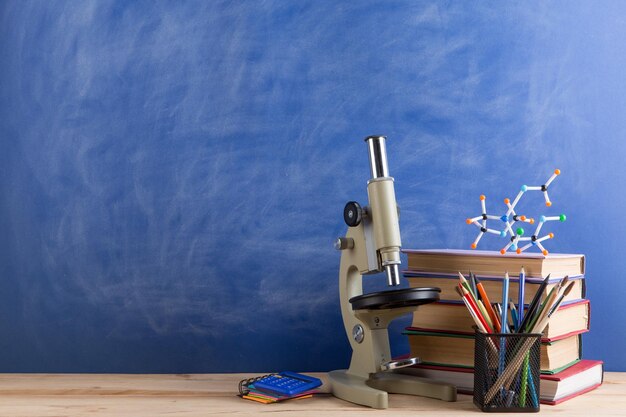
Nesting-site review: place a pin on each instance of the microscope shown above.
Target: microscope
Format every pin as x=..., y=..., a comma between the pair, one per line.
x=372, y=245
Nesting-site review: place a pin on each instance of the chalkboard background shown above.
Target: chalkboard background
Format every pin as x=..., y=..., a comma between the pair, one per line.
x=172, y=174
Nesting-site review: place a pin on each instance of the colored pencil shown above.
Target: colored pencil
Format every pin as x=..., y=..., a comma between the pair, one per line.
x=505, y=324
x=479, y=324
x=505, y=303
x=487, y=303
x=468, y=297
x=485, y=314
x=479, y=306
x=472, y=282
x=520, y=297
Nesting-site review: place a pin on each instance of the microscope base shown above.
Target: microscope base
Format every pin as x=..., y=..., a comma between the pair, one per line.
x=372, y=392
x=407, y=384
x=354, y=389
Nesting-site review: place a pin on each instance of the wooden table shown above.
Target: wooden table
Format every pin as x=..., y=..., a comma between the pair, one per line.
x=214, y=394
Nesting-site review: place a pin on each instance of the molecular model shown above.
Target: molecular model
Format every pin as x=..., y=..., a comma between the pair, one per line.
x=510, y=218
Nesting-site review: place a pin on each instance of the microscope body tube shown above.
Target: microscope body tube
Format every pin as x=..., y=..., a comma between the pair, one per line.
x=384, y=214
x=384, y=211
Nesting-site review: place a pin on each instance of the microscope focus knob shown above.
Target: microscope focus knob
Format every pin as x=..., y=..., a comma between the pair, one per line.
x=352, y=213
x=343, y=243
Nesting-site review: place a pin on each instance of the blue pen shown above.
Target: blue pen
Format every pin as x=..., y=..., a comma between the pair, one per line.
x=520, y=292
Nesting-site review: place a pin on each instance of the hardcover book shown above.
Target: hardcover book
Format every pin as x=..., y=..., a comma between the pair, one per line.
x=490, y=263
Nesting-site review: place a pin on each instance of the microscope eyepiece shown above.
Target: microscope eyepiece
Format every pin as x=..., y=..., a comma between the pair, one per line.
x=378, y=156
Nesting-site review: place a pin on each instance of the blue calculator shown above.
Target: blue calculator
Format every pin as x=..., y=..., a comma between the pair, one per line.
x=287, y=383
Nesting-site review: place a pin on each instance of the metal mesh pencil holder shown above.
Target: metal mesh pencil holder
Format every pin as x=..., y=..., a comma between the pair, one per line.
x=506, y=372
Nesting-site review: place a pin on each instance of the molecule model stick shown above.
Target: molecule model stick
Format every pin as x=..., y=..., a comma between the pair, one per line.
x=544, y=188
x=483, y=227
x=515, y=216
x=538, y=243
x=544, y=219
x=514, y=241
x=519, y=195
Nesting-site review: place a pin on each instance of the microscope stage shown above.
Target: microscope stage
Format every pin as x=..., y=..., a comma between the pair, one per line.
x=404, y=297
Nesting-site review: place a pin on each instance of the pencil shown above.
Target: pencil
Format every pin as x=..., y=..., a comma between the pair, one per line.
x=485, y=314
x=479, y=324
x=522, y=393
x=472, y=303
x=505, y=302
x=487, y=303
x=472, y=282
x=480, y=308
x=520, y=297
x=505, y=325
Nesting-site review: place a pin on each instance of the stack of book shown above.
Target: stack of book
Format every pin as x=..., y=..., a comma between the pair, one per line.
x=442, y=333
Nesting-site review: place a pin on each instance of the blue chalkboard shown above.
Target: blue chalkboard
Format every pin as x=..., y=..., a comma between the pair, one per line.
x=173, y=174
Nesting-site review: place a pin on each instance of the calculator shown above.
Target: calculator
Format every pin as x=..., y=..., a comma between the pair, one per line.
x=287, y=383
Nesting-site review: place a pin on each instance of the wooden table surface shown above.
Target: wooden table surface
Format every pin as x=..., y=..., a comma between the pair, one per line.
x=215, y=394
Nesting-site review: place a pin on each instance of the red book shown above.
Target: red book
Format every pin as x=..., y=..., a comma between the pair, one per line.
x=576, y=380
x=582, y=377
